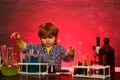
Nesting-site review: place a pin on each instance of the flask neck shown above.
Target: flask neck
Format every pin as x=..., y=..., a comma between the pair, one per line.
x=97, y=41
x=106, y=41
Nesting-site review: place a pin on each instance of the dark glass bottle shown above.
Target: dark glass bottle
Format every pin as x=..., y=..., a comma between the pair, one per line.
x=107, y=55
x=96, y=49
x=78, y=70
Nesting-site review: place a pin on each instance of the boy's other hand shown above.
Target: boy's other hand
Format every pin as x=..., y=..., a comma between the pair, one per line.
x=71, y=53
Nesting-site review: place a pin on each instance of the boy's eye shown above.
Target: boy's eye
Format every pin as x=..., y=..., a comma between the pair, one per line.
x=44, y=37
x=47, y=37
x=50, y=37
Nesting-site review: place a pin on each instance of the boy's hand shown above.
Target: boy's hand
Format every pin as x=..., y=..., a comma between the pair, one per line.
x=71, y=53
x=15, y=36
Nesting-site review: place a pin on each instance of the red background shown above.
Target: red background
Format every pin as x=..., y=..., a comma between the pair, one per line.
x=79, y=21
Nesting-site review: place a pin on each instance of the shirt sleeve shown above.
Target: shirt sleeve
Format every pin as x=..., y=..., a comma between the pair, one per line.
x=21, y=44
x=63, y=55
x=30, y=48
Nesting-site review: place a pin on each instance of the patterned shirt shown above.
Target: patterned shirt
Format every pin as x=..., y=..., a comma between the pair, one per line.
x=54, y=57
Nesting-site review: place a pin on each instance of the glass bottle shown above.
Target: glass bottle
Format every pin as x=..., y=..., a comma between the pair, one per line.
x=78, y=70
x=85, y=69
x=107, y=55
x=90, y=71
x=96, y=49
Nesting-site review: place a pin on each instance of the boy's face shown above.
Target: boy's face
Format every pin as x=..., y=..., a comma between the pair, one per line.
x=48, y=42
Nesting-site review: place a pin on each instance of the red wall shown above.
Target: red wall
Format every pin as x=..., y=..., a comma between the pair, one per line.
x=80, y=22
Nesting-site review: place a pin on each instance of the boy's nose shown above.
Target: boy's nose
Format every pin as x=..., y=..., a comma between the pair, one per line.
x=47, y=39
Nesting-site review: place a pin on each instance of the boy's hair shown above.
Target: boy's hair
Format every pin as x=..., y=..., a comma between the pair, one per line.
x=47, y=30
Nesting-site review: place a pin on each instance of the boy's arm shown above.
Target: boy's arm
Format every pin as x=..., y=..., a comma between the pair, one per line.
x=16, y=36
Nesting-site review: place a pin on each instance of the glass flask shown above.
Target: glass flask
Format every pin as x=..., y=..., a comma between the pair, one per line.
x=9, y=66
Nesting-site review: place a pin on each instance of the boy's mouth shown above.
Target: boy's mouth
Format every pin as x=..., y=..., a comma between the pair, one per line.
x=47, y=43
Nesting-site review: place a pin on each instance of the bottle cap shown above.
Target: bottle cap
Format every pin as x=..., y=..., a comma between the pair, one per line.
x=106, y=40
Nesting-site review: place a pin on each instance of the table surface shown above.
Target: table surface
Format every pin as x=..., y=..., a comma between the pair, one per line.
x=116, y=76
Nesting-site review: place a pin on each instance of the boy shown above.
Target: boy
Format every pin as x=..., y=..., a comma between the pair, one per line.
x=53, y=53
